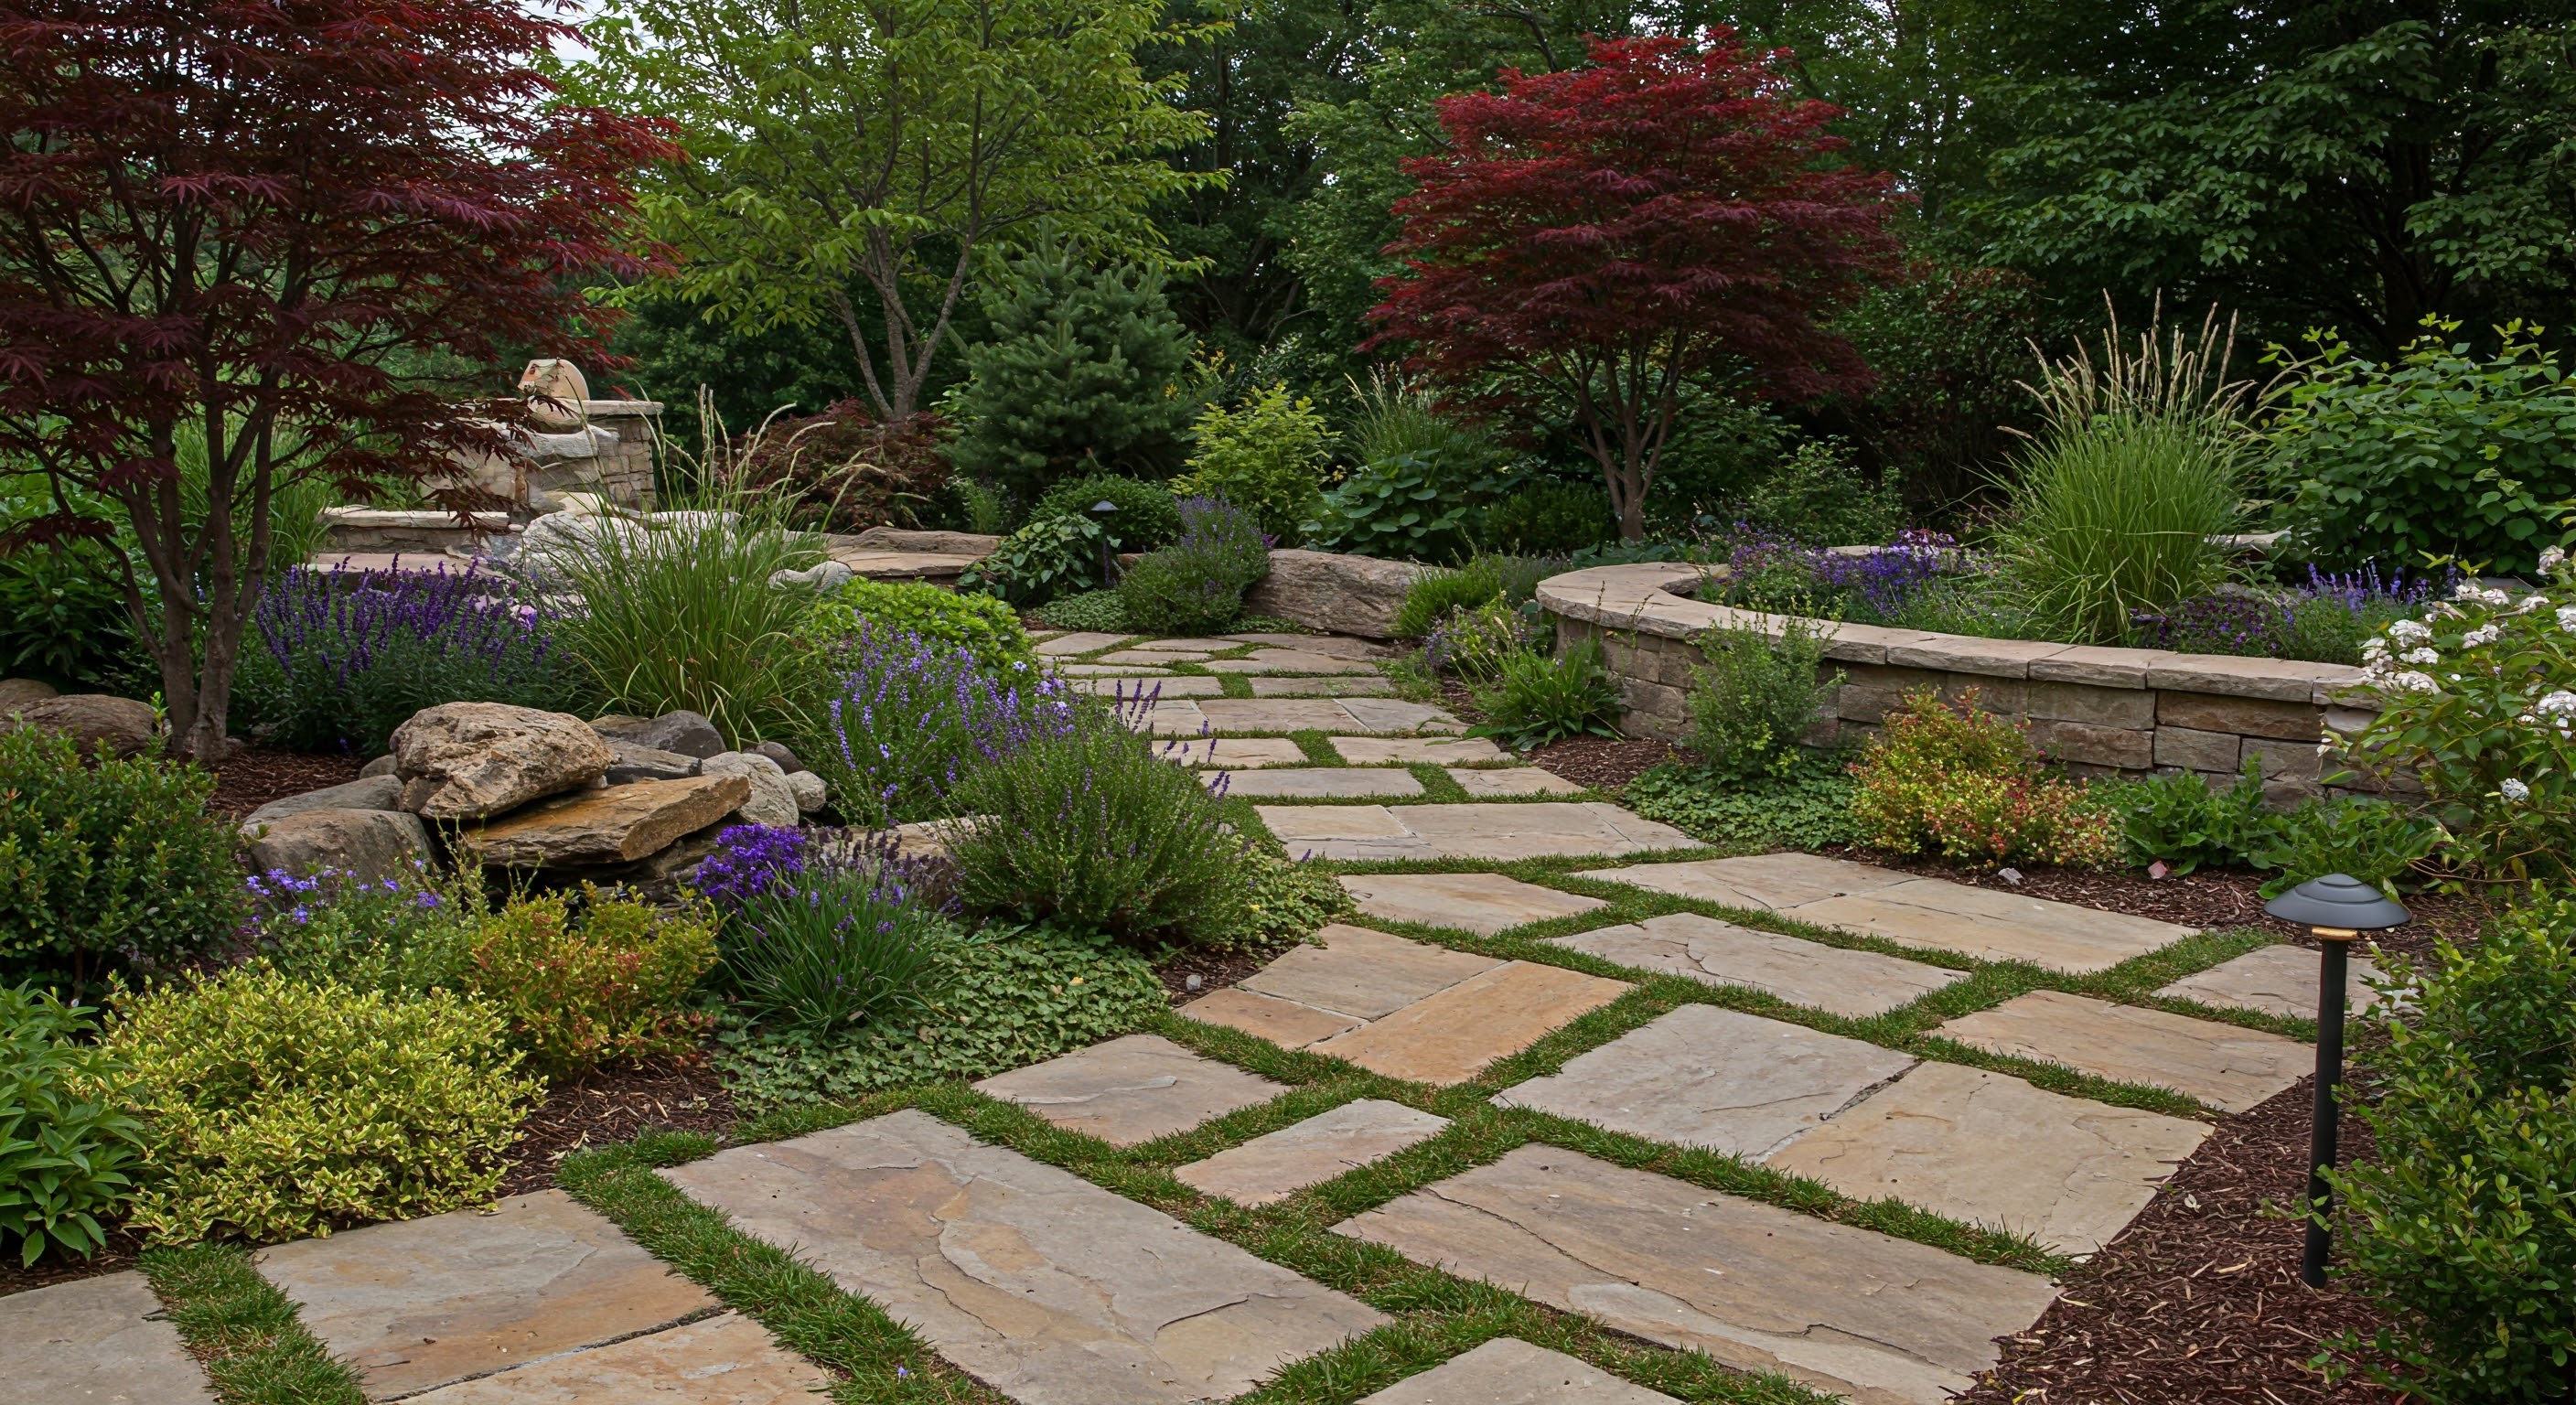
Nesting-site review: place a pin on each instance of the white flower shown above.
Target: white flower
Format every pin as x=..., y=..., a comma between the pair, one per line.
x=2514, y=790
x=2441, y=612
x=2410, y=631
x=2531, y=603
x=2470, y=590
x=2420, y=656
x=2561, y=703
x=2567, y=618
x=2413, y=682
x=2482, y=636
x=2551, y=559
x=2377, y=648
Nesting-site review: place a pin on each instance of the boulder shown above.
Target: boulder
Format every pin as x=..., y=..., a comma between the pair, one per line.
x=933, y=543
x=129, y=728
x=822, y=576
x=364, y=793
x=686, y=733
x=778, y=752
x=771, y=802
x=644, y=763
x=381, y=766
x=620, y=824
x=17, y=692
x=809, y=791
x=371, y=844
x=472, y=760
x=1323, y=590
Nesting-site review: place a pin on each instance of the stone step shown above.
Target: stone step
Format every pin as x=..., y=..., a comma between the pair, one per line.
x=1458, y=751
x=1392, y=716
x=1495, y=832
x=2277, y=980
x=1318, y=783
x=1038, y=1283
x=1274, y=1166
x=1509, y=1371
x=1882, y=1320
x=1234, y=753
x=1065, y=646
x=1856, y=984
x=1446, y=1038
x=1149, y=687
x=1514, y=780
x=1288, y=661
x=1362, y=973
x=2230, y=1069
x=1483, y=903
x=96, y=1341
x=1130, y=1090
x=727, y=1359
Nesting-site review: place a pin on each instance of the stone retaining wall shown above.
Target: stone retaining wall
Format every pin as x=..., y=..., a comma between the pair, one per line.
x=2096, y=709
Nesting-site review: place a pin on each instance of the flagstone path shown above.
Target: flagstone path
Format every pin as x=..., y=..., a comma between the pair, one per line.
x=1057, y=1291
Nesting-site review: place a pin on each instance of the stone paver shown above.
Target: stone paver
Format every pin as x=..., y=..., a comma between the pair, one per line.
x=722, y=1360
x=2277, y=980
x=1325, y=714
x=2230, y=1069
x=95, y=1341
x=1483, y=903
x=1446, y=1037
x=1514, y=780
x=1377, y=751
x=1111, y=670
x=1040, y=1284
x=1492, y=831
x=1882, y=1320
x=1994, y=926
x=1395, y=715
x=1321, y=783
x=1277, y=661
x=1150, y=687
x=1234, y=753
x=1758, y=881
x=424, y=1302
x=1509, y=1371
x=1362, y=973
x=1321, y=687
x=1067, y=645
x=1283, y=1022
x=1275, y=1166
x=1857, y=984
x=1179, y=718
x=1154, y=657
x=1338, y=646
x=1721, y=1079
x=1186, y=646
x=1130, y=1090
x=1993, y=1150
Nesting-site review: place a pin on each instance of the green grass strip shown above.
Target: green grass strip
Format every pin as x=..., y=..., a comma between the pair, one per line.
x=244, y=1331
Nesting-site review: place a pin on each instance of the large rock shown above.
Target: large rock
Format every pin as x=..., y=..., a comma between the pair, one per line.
x=687, y=733
x=372, y=844
x=772, y=800
x=468, y=761
x=620, y=824
x=809, y=790
x=643, y=763
x=1322, y=590
x=18, y=692
x=365, y=793
x=778, y=752
x=934, y=543
x=129, y=728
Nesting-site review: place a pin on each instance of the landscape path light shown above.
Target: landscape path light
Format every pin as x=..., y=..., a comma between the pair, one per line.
x=1101, y=512
x=2338, y=908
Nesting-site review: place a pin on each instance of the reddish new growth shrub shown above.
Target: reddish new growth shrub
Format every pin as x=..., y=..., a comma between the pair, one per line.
x=601, y=985
x=849, y=471
x=1955, y=780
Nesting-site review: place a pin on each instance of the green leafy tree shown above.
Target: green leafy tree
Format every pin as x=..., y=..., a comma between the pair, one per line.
x=893, y=146
x=1085, y=372
x=1266, y=456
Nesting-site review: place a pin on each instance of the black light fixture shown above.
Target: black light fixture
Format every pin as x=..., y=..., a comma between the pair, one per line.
x=1101, y=512
x=2338, y=908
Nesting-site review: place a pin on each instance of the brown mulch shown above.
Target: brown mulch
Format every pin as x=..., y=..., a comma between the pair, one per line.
x=1215, y=969
x=256, y=775
x=610, y=1105
x=2200, y=1298
x=1605, y=762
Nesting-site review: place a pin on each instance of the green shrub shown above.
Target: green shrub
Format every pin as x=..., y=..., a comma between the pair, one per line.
x=2464, y=1229
x=68, y=1149
x=1755, y=696
x=840, y=943
x=1266, y=457
x=1537, y=698
x=1816, y=496
x=1095, y=611
x=1396, y=508
x=398, y=935
x=1287, y=900
x=1966, y=784
x=63, y=617
x=845, y=470
x=1549, y=516
x=1437, y=591
x=279, y=1109
x=1009, y=998
x=1195, y=586
x=2442, y=455
x=1091, y=828
x=104, y=861
x=2176, y=819
x=1803, y=801
x=2370, y=839
x=602, y=984
x=979, y=625
x=1474, y=645
x=1148, y=515
x=1045, y=558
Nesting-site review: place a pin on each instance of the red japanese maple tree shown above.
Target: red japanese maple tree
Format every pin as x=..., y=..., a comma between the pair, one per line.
x=251, y=229
x=1596, y=240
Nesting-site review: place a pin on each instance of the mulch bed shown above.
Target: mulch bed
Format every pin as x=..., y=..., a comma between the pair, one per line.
x=607, y=1106
x=256, y=775
x=1608, y=762
x=1215, y=969
x=2200, y=1298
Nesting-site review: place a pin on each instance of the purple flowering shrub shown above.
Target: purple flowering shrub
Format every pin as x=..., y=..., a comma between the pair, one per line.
x=1882, y=585
x=1196, y=584
x=750, y=859
x=910, y=717
x=340, y=658
x=830, y=934
x=403, y=934
x=2326, y=619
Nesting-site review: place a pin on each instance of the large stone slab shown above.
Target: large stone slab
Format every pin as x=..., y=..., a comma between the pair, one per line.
x=1187, y=646
x=1388, y=716
x=1497, y=832
x=1509, y=1371
x=95, y=1341
x=1994, y=926
x=1274, y=714
x=1757, y=881
x=1328, y=590
x=1439, y=751
x=2277, y=980
x=1130, y=1090
x=1857, y=984
x=1514, y=780
x=1110, y=670
x=1363, y=973
x=1722, y=1079
x=1446, y=1038
x=1275, y=1166
x=1993, y=1150
x=1320, y=783
x=2230, y=1069
x=1152, y=658
x=364, y=793
x=1039, y=1283
x=1287, y=661
x=1483, y=903
x=726, y=1359
x=425, y=1302
x=471, y=760
x=1065, y=646
x=1234, y=753
x=1882, y=1320
x=1343, y=832
x=1339, y=646
x=616, y=825
x=1283, y=1022
x=1299, y=686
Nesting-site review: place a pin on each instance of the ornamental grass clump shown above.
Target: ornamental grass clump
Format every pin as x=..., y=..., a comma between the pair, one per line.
x=909, y=718
x=849, y=937
x=1956, y=781
x=343, y=657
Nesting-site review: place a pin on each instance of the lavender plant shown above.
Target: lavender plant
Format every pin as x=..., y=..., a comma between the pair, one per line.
x=844, y=937
x=910, y=717
x=1196, y=585
x=749, y=860
x=343, y=657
